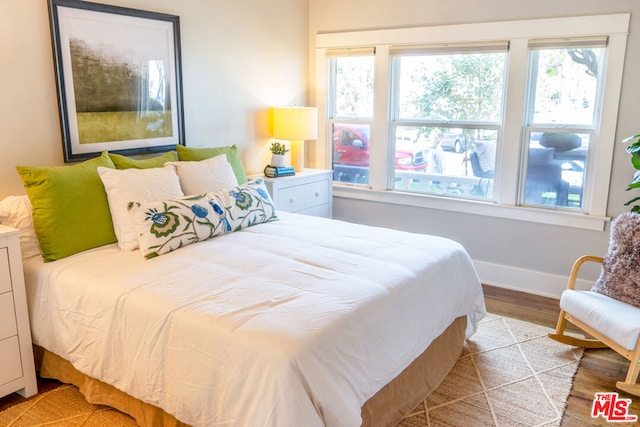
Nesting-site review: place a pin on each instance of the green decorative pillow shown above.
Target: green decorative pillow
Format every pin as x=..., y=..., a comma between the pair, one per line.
x=233, y=157
x=70, y=207
x=124, y=162
x=171, y=224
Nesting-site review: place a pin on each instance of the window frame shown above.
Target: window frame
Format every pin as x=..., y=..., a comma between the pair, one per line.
x=447, y=49
x=530, y=125
x=332, y=116
x=509, y=156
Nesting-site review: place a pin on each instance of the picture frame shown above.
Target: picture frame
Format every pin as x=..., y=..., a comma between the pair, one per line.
x=118, y=78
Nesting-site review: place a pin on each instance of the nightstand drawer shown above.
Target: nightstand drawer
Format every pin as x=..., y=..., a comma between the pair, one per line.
x=17, y=371
x=307, y=192
x=10, y=360
x=291, y=199
x=5, y=276
x=316, y=193
x=8, y=325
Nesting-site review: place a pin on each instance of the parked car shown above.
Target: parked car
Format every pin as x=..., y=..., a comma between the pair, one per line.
x=351, y=147
x=454, y=141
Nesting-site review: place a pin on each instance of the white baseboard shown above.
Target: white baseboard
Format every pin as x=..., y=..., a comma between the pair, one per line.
x=523, y=280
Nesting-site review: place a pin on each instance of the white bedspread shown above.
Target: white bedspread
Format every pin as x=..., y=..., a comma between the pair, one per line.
x=292, y=323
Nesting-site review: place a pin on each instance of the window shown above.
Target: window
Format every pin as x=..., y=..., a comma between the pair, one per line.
x=447, y=119
x=351, y=115
x=564, y=80
x=510, y=119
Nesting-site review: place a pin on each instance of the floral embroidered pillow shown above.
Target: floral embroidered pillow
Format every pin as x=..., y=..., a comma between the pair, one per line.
x=171, y=224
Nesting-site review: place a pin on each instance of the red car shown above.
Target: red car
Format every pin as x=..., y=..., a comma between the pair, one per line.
x=351, y=147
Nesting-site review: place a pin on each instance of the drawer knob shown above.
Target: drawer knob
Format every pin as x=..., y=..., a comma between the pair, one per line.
x=292, y=200
x=317, y=194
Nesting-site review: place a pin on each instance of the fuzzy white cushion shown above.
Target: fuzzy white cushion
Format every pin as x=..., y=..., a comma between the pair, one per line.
x=146, y=185
x=16, y=212
x=620, y=276
x=203, y=176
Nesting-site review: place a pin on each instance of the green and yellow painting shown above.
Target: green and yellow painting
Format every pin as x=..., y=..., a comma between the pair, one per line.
x=119, y=97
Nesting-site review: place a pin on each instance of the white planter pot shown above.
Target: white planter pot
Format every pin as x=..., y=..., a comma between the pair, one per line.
x=278, y=160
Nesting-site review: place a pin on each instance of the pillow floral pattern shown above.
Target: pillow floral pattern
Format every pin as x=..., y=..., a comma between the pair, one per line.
x=172, y=224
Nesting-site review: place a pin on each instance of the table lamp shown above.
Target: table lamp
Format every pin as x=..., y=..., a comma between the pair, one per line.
x=295, y=124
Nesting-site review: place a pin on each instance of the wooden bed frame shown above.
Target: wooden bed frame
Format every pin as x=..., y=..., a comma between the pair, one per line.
x=386, y=408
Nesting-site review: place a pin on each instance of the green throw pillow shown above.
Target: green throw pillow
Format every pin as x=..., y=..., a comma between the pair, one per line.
x=197, y=154
x=70, y=207
x=124, y=162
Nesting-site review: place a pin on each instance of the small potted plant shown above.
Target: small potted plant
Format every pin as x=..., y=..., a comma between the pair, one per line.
x=278, y=151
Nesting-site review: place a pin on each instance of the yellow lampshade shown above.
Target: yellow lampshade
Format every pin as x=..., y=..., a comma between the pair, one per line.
x=295, y=124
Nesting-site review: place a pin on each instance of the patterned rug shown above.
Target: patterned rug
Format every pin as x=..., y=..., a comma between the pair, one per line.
x=509, y=374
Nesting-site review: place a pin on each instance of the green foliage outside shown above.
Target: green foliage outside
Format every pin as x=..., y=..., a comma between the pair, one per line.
x=449, y=87
x=465, y=87
x=452, y=88
x=354, y=87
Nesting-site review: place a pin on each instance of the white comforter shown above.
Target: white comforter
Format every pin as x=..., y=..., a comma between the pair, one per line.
x=292, y=323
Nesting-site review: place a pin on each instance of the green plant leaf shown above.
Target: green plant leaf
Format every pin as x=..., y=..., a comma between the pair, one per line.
x=635, y=183
x=278, y=148
x=633, y=148
x=635, y=199
x=632, y=137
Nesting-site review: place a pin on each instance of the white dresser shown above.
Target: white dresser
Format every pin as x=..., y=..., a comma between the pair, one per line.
x=17, y=372
x=308, y=192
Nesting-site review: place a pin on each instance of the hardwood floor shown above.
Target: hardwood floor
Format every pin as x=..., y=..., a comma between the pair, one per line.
x=599, y=369
x=598, y=372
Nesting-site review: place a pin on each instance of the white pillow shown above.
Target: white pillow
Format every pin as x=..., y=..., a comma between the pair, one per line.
x=16, y=212
x=127, y=185
x=203, y=176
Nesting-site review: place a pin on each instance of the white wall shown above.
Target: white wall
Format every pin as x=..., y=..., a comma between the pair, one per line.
x=516, y=254
x=238, y=59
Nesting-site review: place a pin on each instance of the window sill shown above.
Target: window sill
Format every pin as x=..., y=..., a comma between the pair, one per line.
x=519, y=213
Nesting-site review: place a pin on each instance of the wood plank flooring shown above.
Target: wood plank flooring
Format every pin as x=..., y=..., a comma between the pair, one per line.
x=599, y=369
x=598, y=372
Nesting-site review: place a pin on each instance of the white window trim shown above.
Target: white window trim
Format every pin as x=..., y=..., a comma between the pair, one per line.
x=615, y=26
x=476, y=207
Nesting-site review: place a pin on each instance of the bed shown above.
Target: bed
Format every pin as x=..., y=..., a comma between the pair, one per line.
x=295, y=321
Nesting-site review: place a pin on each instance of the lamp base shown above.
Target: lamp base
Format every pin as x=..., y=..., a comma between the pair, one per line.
x=297, y=155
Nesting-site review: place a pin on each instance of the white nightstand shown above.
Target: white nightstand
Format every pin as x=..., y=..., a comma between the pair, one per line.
x=309, y=192
x=17, y=372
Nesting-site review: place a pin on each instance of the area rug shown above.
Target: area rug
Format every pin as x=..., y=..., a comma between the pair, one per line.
x=509, y=374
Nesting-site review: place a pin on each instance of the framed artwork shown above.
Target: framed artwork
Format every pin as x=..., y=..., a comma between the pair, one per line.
x=118, y=75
